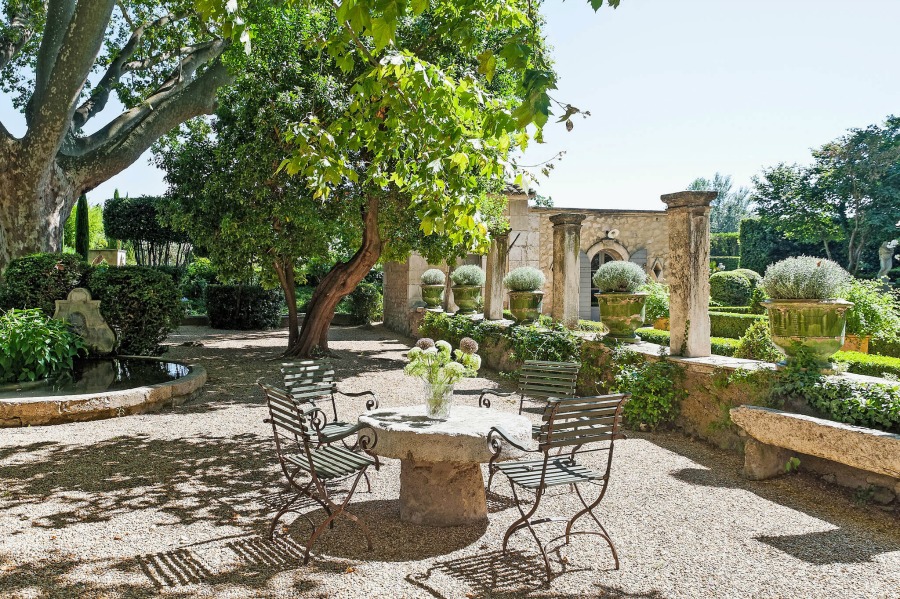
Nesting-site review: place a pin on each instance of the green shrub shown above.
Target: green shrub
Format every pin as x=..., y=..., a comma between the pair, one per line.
x=761, y=245
x=524, y=278
x=720, y=345
x=243, y=307
x=198, y=274
x=874, y=312
x=724, y=263
x=433, y=276
x=468, y=275
x=619, y=277
x=805, y=277
x=656, y=387
x=140, y=303
x=756, y=344
x=366, y=303
x=731, y=309
x=82, y=228
x=177, y=273
x=724, y=244
x=732, y=326
x=35, y=346
x=873, y=406
x=885, y=348
x=657, y=304
x=730, y=288
x=555, y=343
x=754, y=277
x=868, y=364
x=37, y=281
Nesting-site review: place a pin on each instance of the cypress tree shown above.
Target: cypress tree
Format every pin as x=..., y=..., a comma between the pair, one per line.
x=82, y=227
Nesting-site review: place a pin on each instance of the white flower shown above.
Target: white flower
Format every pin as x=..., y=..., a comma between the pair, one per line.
x=430, y=351
x=443, y=346
x=413, y=352
x=231, y=6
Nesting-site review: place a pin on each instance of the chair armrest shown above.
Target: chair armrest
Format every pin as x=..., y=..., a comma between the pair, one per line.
x=496, y=445
x=484, y=402
x=371, y=404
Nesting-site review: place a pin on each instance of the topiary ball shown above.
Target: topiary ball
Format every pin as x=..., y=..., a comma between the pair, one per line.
x=619, y=277
x=524, y=278
x=432, y=276
x=730, y=288
x=468, y=275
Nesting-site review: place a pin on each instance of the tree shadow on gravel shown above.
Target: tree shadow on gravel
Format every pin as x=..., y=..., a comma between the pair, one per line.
x=860, y=536
x=206, y=478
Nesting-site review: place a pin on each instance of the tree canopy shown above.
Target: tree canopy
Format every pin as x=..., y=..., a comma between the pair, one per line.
x=730, y=207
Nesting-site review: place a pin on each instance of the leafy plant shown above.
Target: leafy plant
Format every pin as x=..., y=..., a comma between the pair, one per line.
x=243, y=307
x=619, y=277
x=730, y=288
x=436, y=363
x=657, y=302
x=37, y=281
x=35, y=346
x=792, y=465
x=468, y=275
x=656, y=387
x=82, y=228
x=524, y=278
x=874, y=312
x=140, y=303
x=754, y=277
x=805, y=277
x=551, y=343
x=433, y=276
x=366, y=303
x=756, y=344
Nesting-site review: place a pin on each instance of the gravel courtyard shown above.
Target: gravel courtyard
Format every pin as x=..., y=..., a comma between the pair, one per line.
x=176, y=504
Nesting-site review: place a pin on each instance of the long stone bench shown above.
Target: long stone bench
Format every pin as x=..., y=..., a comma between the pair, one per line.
x=775, y=435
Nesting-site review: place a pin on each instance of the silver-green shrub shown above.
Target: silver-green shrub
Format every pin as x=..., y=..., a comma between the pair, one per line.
x=804, y=277
x=524, y=278
x=619, y=277
x=468, y=275
x=433, y=276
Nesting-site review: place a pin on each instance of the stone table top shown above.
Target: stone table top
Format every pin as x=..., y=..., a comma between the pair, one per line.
x=406, y=433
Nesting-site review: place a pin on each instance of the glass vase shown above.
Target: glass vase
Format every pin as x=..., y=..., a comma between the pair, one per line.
x=438, y=398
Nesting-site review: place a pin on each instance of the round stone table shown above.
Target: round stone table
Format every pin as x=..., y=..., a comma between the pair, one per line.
x=440, y=472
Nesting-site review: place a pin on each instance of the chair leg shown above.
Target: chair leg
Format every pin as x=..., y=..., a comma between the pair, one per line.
x=524, y=522
x=281, y=512
x=589, y=511
x=336, y=511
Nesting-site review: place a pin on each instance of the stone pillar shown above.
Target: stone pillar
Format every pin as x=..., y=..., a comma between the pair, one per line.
x=687, y=271
x=495, y=270
x=566, y=246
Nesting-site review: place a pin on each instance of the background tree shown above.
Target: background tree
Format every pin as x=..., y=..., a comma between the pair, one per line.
x=163, y=60
x=82, y=228
x=136, y=221
x=730, y=207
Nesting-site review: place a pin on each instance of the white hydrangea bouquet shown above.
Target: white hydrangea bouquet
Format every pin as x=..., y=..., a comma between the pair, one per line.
x=440, y=367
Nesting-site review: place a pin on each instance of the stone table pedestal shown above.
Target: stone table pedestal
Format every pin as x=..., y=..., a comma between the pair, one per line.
x=440, y=460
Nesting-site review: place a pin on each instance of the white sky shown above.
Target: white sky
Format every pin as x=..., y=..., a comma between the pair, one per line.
x=682, y=89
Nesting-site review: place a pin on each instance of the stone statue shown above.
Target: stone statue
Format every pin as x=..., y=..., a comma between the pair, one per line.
x=886, y=255
x=83, y=313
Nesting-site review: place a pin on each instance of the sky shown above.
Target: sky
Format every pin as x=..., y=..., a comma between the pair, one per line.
x=680, y=89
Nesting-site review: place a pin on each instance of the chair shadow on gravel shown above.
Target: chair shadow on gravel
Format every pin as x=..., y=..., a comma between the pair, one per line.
x=393, y=540
x=507, y=576
x=860, y=535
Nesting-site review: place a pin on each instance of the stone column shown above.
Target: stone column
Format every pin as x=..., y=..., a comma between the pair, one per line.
x=566, y=246
x=687, y=271
x=495, y=270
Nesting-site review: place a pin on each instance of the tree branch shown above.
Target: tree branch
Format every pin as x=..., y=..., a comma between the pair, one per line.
x=136, y=130
x=18, y=33
x=120, y=65
x=60, y=76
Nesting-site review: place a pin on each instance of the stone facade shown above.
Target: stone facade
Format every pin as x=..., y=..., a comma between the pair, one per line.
x=640, y=236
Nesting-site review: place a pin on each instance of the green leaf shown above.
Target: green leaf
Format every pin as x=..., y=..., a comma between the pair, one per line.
x=487, y=65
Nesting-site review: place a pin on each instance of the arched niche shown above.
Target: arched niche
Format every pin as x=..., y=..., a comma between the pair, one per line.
x=610, y=247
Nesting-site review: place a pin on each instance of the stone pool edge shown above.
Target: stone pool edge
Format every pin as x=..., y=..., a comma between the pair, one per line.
x=60, y=409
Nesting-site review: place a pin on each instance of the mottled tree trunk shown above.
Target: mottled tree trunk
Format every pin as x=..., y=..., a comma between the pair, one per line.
x=285, y=271
x=336, y=285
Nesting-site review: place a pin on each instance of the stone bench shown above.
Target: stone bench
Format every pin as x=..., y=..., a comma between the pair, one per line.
x=775, y=435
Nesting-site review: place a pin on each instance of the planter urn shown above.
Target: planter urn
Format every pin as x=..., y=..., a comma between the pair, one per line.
x=466, y=297
x=526, y=306
x=432, y=294
x=816, y=325
x=622, y=313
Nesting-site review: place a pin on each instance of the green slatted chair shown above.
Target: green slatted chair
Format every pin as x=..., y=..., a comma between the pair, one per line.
x=569, y=427
x=311, y=463
x=313, y=381
x=539, y=381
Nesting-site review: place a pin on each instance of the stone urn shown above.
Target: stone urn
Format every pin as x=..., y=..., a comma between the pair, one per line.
x=466, y=297
x=817, y=325
x=432, y=294
x=526, y=306
x=622, y=313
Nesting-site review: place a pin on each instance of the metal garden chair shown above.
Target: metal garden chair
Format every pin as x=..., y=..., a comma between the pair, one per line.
x=572, y=427
x=311, y=462
x=312, y=381
x=538, y=381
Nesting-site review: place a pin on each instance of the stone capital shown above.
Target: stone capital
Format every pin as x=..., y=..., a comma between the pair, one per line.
x=567, y=218
x=689, y=199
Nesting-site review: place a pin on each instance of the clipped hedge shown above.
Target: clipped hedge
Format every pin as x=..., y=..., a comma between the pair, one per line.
x=869, y=364
x=724, y=244
x=140, y=303
x=730, y=289
x=720, y=346
x=243, y=307
x=37, y=281
x=885, y=348
x=732, y=309
x=874, y=406
x=731, y=325
x=729, y=262
x=761, y=245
